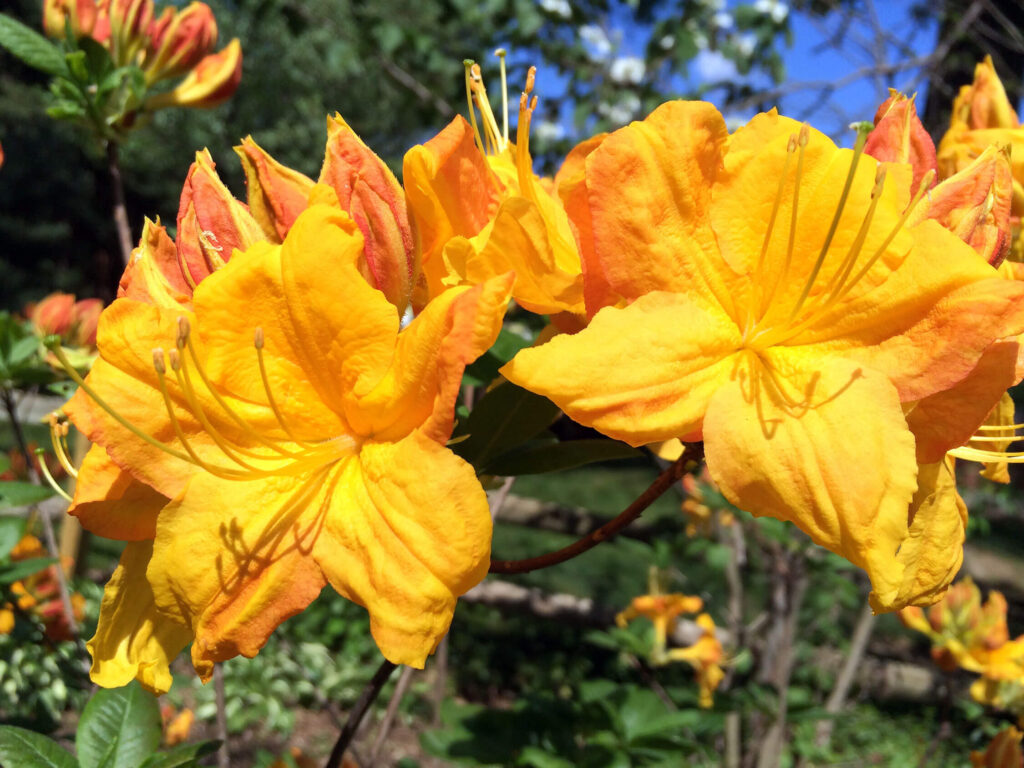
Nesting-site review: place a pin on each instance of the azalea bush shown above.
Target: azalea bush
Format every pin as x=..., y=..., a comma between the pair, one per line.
x=304, y=414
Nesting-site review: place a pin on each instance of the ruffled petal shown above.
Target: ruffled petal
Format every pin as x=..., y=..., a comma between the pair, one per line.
x=133, y=639
x=110, y=502
x=639, y=374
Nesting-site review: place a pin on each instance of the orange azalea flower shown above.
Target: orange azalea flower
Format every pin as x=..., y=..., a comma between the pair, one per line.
x=482, y=211
x=783, y=311
x=662, y=611
x=982, y=117
x=1004, y=751
x=276, y=449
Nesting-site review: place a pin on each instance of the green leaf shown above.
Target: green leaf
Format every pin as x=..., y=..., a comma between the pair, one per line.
x=13, y=572
x=32, y=48
x=19, y=494
x=505, y=418
x=181, y=756
x=119, y=728
x=77, y=65
x=25, y=749
x=485, y=369
x=11, y=531
x=540, y=457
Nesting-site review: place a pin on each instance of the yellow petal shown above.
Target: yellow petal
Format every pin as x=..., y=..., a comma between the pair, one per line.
x=232, y=559
x=639, y=374
x=933, y=550
x=110, y=503
x=408, y=531
x=133, y=640
x=784, y=438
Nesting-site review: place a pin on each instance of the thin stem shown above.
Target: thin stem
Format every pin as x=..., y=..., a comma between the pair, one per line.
x=355, y=717
x=124, y=231
x=390, y=714
x=693, y=453
x=836, y=700
x=223, y=755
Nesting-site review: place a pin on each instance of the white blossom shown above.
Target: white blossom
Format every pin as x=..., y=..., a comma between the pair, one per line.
x=594, y=36
x=560, y=8
x=627, y=69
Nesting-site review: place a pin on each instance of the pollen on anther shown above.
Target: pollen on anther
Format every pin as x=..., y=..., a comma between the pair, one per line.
x=158, y=361
x=183, y=331
x=805, y=134
x=174, y=359
x=257, y=339
x=531, y=76
x=791, y=145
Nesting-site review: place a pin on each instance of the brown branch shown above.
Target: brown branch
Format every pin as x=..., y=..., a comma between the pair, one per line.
x=124, y=230
x=366, y=698
x=836, y=699
x=404, y=679
x=694, y=452
x=223, y=755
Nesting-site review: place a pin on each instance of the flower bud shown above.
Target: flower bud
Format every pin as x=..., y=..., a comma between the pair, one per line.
x=276, y=194
x=129, y=28
x=179, y=41
x=154, y=274
x=52, y=315
x=213, y=81
x=82, y=14
x=85, y=318
x=899, y=136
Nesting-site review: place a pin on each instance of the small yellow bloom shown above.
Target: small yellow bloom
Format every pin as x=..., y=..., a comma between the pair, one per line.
x=704, y=656
x=282, y=433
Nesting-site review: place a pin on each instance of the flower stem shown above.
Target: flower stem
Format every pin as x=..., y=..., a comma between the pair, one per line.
x=124, y=231
x=692, y=453
x=355, y=717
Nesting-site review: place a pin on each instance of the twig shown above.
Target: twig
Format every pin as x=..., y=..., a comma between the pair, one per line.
x=223, y=755
x=732, y=740
x=421, y=91
x=124, y=231
x=355, y=717
x=836, y=699
x=440, y=679
x=497, y=501
x=390, y=713
x=693, y=452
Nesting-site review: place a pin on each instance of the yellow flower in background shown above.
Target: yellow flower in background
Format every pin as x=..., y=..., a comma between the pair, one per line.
x=281, y=433
x=705, y=657
x=483, y=211
x=781, y=309
x=662, y=611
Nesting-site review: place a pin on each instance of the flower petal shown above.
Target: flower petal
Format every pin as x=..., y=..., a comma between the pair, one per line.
x=133, y=640
x=639, y=374
x=232, y=560
x=408, y=531
x=276, y=193
x=110, y=502
x=787, y=440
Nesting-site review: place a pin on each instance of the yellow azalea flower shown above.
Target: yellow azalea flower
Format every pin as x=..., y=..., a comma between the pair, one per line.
x=704, y=656
x=1003, y=751
x=662, y=611
x=781, y=309
x=482, y=211
x=280, y=432
x=982, y=116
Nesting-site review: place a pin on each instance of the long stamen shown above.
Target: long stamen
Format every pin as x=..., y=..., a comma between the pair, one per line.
x=258, y=343
x=41, y=456
x=160, y=366
x=492, y=133
x=468, y=63
x=524, y=164
x=57, y=432
x=858, y=150
x=500, y=53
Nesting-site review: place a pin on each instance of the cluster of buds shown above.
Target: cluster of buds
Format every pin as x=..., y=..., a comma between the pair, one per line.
x=970, y=634
x=704, y=654
x=75, y=322
x=168, y=45
x=38, y=595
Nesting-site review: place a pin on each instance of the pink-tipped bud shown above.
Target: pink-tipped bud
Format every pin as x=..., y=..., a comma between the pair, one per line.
x=179, y=41
x=899, y=136
x=213, y=81
x=81, y=13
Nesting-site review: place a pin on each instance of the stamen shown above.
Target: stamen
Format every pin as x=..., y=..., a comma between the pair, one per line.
x=492, y=133
x=858, y=150
x=258, y=343
x=468, y=63
x=500, y=53
x=524, y=164
x=41, y=456
x=58, y=432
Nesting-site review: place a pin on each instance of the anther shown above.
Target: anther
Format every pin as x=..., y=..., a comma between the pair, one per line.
x=791, y=146
x=258, y=338
x=158, y=361
x=531, y=76
x=805, y=134
x=183, y=331
x=174, y=359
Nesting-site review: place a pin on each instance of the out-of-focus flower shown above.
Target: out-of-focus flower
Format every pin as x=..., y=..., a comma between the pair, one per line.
x=129, y=28
x=662, y=611
x=627, y=69
x=211, y=82
x=701, y=518
x=81, y=13
x=302, y=760
x=177, y=724
x=705, y=656
x=808, y=316
x=1004, y=751
x=39, y=595
x=289, y=392
x=75, y=322
x=180, y=40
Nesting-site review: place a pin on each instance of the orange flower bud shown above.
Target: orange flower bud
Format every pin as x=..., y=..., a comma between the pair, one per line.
x=277, y=194
x=975, y=204
x=56, y=13
x=129, y=27
x=85, y=317
x=376, y=202
x=52, y=315
x=213, y=81
x=211, y=223
x=179, y=41
x=154, y=274
x=899, y=136
x=983, y=103
x=1004, y=751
